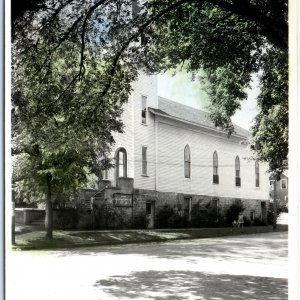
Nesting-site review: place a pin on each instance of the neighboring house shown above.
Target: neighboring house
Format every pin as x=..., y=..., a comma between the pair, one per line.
x=281, y=188
x=172, y=154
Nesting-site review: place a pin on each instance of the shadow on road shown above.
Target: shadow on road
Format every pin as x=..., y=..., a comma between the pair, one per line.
x=192, y=285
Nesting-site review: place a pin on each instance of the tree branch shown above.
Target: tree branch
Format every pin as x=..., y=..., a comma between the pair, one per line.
x=81, y=64
x=61, y=40
x=269, y=28
x=89, y=13
x=132, y=38
x=276, y=33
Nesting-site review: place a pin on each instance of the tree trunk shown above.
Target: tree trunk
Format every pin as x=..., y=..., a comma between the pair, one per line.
x=275, y=206
x=49, y=213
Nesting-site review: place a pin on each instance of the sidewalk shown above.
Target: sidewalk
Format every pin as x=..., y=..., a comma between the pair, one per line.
x=35, y=240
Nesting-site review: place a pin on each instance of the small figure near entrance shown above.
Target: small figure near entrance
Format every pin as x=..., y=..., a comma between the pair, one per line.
x=240, y=222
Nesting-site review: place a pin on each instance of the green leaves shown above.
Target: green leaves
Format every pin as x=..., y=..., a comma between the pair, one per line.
x=63, y=115
x=271, y=137
x=270, y=131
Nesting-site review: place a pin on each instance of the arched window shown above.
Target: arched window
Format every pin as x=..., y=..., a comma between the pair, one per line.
x=187, y=162
x=237, y=172
x=121, y=163
x=256, y=174
x=215, y=168
x=144, y=110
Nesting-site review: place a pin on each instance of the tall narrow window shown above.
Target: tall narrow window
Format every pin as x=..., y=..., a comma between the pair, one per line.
x=256, y=174
x=284, y=183
x=215, y=168
x=272, y=185
x=237, y=172
x=104, y=174
x=121, y=163
x=187, y=162
x=144, y=160
x=144, y=110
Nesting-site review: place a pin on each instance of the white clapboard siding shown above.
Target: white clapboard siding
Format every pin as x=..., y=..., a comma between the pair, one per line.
x=165, y=140
x=144, y=134
x=125, y=140
x=137, y=134
x=172, y=139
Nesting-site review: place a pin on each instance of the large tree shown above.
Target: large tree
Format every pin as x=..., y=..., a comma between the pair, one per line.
x=60, y=135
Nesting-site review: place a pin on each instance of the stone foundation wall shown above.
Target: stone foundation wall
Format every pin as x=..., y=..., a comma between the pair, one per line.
x=203, y=202
x=125, y=207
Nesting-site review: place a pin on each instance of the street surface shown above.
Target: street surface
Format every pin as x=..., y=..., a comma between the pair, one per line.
x=241, y=267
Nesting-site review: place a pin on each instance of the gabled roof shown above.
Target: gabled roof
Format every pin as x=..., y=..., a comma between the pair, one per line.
x=284, y=175
x=186, y=113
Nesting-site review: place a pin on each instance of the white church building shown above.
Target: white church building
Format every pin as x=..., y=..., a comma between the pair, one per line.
x=172, y=154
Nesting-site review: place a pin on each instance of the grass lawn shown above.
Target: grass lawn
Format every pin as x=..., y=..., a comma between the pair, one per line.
x=38, y=240
x=70, y=239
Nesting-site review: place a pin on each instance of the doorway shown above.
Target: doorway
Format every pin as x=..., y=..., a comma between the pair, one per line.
x=150, y=212
x=264, y=212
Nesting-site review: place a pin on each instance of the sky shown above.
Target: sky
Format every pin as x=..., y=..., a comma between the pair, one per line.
x=181, y=88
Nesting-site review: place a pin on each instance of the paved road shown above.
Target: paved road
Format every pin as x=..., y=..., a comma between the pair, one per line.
x=244, y=267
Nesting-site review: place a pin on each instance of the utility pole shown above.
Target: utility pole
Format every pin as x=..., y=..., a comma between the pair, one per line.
x=275, y=206
x=275, y=203
x=13, y=219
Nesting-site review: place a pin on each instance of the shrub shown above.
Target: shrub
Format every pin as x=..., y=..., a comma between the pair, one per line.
x=178, y=221
x=167, y=217
x=258, y=222
x=270, y=214
x=233, y=212
x=199, y=218
x=109, y=217
x=208, y=217
x=67, y=218
x=140, y=221
x=247, y=221
x=163, y=216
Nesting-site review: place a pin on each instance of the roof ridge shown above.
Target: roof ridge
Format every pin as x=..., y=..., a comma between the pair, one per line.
x=188, y=106
x=201, y=111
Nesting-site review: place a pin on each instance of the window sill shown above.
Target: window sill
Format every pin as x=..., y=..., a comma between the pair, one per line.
x=144, y=124
x=143, y=175
x=187, y=179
